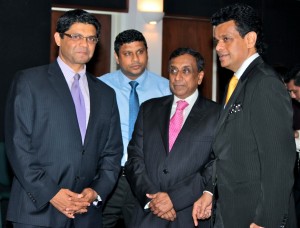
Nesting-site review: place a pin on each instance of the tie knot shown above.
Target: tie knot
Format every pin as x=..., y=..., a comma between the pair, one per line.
x=181, y=105
x=133, y=84
x=77, y=77
x=233, y=81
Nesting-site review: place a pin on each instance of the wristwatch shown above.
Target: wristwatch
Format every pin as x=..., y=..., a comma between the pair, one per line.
x=98, y=201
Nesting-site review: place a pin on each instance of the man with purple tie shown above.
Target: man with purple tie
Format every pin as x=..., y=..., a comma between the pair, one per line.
x=63, y=135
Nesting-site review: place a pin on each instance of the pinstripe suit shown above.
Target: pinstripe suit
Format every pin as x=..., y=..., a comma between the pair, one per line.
x=45, y=149
x=151, y=168
x=255, y=152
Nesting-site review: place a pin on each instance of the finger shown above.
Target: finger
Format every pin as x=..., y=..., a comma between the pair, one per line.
x=173, y=213
x=77, y=206
x=82, y=211
x=151, y=196
x=167, y=216
x=194, y=215
x=69, y=215
x=70, y=193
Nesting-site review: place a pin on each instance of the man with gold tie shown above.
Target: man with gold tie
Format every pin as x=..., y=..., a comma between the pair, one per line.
x=171, y=146
x=254, y=144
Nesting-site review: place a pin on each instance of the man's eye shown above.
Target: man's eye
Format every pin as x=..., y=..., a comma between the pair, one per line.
x=173, y=71
x=76, y=37
x=227, y=39
x=186, y=71
x=91, y=39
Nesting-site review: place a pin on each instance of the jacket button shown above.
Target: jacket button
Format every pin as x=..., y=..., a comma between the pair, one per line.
x=83, y=151
x=165, y=171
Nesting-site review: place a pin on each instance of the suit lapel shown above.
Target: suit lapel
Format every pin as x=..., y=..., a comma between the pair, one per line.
x=93, y=90
x=164, y=120
x=59, y=84
x=242, y=82
x=196, y=114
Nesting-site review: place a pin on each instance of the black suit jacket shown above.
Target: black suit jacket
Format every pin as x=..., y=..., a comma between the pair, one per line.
x=45, y=149
x=181, y=173
x=255, y=152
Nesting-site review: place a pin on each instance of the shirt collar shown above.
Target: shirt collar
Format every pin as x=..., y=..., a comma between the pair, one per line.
x=245, y=64
x=125, y=80
x=68, y=72
x=190, y=99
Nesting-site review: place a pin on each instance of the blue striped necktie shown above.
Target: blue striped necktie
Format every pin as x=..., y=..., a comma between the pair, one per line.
x=133, y=106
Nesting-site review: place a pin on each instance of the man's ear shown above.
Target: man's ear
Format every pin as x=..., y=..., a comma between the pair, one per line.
x=116, y=57
x=251, y=38
x=200, y=77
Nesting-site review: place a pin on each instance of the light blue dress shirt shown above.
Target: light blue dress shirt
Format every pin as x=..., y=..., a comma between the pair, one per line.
x=150, y=86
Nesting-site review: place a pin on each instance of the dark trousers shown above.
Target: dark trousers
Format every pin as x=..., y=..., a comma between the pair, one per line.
x=70, y=224
x=119, y=207
x=20, y=225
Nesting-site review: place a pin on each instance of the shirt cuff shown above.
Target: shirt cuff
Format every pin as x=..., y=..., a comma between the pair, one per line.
x=147, y=205
x=208, y=193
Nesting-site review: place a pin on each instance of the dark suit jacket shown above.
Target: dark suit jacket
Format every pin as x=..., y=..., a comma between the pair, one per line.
x=151, y=168
x=255, y=151
x=45, y=149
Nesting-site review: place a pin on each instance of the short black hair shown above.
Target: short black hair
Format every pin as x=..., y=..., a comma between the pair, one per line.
x=182, y=50
x=246, y=20
x=128, y=36
x=77, y=16
x=293, y=74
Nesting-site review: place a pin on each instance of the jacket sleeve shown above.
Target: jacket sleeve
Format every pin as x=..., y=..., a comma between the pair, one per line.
x=23, y=157
x=271, y=121
x=136, y=172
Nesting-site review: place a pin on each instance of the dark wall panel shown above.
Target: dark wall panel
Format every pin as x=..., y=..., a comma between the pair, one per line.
x=24, y=40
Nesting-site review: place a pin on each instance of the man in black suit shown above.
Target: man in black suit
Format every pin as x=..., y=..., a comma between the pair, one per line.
x=292, y=80
x=167, y=173
x=65, y=154
x=254, y=144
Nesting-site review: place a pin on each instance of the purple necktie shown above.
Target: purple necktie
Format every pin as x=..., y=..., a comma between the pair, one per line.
x=176, y=122
x=79, y=105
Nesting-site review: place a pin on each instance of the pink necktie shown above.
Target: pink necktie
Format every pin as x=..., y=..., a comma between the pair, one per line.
x=176, y=122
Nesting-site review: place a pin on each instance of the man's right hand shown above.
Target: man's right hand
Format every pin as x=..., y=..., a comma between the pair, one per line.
x=202, y=208
x=68, y=203
x=169, y=215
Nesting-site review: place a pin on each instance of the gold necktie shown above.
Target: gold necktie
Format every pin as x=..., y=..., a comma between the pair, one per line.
x=232, y=84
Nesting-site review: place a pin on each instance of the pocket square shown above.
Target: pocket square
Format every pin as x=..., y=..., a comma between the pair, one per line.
x=236, y=107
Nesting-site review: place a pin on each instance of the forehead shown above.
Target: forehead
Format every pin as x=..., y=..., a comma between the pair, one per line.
x=135, y=45
x=225, y=29
x=291, y=85
x=183, y=60
x=82, y=28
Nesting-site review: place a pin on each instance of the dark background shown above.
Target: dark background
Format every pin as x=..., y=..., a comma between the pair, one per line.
x=109, y=5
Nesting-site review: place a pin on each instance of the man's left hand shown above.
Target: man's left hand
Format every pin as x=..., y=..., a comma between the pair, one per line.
x=160, y=203
x=88, y=195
